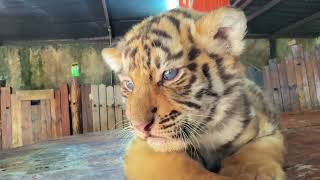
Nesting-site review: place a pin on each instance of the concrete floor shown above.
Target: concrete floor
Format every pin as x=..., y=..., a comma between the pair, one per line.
x=100, y=156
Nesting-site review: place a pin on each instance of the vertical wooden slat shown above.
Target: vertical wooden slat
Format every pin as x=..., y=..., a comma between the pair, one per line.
x=267, y=84
x=65, y=114
x=95, y=107
x=284, y=88
x=36, y=122
x=16, y=121
x=45, y=120
x=0, y=124
x=118, y=109
x=311, y=79
x=315, y=57
x=75, y=107
x=290, y=67
x=103, y=107
x=5, y=115
x=301, y=77
x=84, y=109
x=110, y=108
x=89, y=108
x=26, y=123
x=276, y=86
x=57, y=98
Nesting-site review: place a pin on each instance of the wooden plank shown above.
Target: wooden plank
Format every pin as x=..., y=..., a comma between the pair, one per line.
x=36, y=122
x=84, y=109
x=110, y=108
x=65, y=114
x=311, y=79
x=16, y=121
x=5, y=115
x=35, y=94
x=57, y=97
x=75, y=108
x=118, y=107
x=292, y=83
x=276, y=86
x=95, y=107
x=89, y=108
x=284, y=88
x=315, y=58
x=45, y=120
x=103, y=107
x=301, y=77
x=0, y=124
x=267, y=84
x=26, y=123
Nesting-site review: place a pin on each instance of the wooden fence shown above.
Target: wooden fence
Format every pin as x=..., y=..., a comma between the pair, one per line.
x=29, y=117
x=294, y=84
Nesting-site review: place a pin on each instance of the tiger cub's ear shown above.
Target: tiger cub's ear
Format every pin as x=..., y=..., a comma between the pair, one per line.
x=223, y=29
x=112, y=56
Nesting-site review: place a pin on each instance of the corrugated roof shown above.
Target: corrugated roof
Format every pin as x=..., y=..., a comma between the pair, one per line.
x=73, y=19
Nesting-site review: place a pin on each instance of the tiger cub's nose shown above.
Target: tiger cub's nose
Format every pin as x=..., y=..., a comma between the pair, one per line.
x=144, y=127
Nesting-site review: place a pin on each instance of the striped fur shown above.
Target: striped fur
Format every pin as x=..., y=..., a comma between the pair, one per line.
x=210, y=110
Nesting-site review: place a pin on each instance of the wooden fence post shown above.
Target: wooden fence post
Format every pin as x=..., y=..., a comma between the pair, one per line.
x=86, y=108
x=57, y=97
x=103, y=107
x=75, y=107
x=118, y=107
x=95, y=108
x=110, y=108
x=65, y=114
x=6, y=121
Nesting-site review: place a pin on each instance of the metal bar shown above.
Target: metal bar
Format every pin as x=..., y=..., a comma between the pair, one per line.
x=264, y=9
x=236, y=3
x=295, y=25
x=273, y=46
x=106, y=15
x=246, y=4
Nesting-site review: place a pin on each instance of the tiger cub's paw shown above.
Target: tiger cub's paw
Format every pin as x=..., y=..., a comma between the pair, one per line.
x=254, y=171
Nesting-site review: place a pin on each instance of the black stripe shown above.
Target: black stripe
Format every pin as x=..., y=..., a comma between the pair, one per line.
x=189, y=104
x=133, y=53
x=221, y=70
x=193, y=54
x=133, y=39
x=147, y=49
x=190, y=37
x=167, y=126
x=158, y=44
x=205, y=71
x=177, y=55
x=175, y=22
x=161, y=33
x=229, y=90
x=184, y=13
x=207, y=92
x=192, y=66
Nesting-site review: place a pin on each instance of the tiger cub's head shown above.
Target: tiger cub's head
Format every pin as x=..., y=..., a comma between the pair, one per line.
x=174, y=68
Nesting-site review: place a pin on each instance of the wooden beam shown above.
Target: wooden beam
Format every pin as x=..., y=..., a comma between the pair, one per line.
x=236, y=3
x=245, y=4
x=264, y=9
x=295, y=25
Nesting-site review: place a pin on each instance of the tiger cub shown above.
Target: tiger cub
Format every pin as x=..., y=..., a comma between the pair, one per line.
x=191, y=108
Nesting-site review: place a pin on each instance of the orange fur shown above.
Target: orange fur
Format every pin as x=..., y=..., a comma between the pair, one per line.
x=143, y=163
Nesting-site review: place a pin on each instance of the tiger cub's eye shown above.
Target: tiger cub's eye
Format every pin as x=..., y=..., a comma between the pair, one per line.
x=129, y=85
x=170, y=74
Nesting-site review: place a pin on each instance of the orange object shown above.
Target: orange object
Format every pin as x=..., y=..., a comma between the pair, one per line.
x=204, y=5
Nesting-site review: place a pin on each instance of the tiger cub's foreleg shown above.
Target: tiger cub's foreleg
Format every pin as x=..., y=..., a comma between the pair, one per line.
x=261, y=159
x=143, y=163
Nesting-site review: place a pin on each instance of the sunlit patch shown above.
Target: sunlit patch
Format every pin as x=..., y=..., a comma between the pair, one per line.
x=171, y=4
